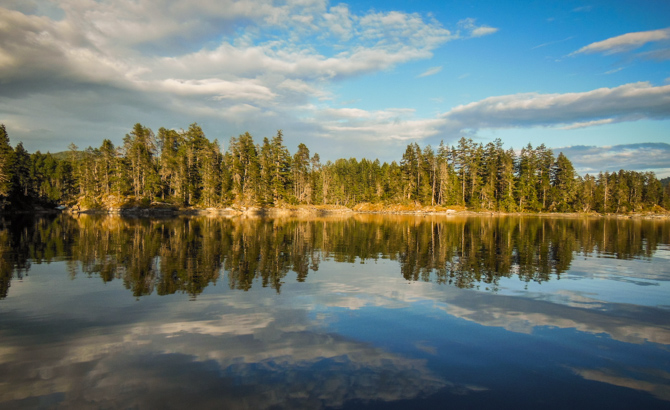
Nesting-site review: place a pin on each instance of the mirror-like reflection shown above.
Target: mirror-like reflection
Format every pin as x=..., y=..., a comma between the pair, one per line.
x=363, y=311
x=166, y=256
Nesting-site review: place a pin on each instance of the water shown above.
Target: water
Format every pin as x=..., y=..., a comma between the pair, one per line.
x=342, y=312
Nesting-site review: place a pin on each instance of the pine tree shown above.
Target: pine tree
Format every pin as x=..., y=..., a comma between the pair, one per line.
x=173, y=181
x=526, y=182
x=245, y=169
x=410, y=172
x=586, y=194
x=281, y=169
x=302, y=189
x=506, y=181
x=489, y=173
x=21, y=182
x=140, y=148
x=544, y=162
x=6, y=163
x=316, y=179
x=211, y=173
x=564, y=184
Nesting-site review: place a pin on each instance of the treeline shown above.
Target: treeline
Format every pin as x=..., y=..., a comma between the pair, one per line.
x=185, y=168
x=185, y=255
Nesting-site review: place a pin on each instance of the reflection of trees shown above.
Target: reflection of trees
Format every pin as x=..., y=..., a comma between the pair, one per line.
x=186, y=254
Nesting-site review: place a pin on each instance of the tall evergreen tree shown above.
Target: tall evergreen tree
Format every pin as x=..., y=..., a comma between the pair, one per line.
x=140, y=148
x=245, y=169
x=564, y=185
x=21, y=182
x=6, y=163
x=526, y=183
x=506, y=181
x=302, y=188
x=281, y=169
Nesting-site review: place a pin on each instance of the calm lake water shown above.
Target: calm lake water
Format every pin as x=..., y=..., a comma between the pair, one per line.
x=362, y=311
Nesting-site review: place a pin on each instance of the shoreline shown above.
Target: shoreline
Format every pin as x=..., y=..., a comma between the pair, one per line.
x=326, y=210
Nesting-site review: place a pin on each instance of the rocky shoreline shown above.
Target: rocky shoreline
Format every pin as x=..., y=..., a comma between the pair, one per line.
x=324, y=210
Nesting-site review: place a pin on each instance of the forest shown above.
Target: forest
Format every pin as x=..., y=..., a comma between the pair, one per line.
x=183, y=168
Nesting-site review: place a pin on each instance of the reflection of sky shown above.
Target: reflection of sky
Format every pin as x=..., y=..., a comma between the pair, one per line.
x=350, y=334
x=593, y=280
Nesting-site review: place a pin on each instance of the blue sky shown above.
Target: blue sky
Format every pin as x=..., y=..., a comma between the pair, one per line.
x=359, y=79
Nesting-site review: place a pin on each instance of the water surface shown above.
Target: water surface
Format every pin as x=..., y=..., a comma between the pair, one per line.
x=344, y=312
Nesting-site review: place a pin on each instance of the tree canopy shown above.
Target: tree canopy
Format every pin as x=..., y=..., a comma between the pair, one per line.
x=185, y=168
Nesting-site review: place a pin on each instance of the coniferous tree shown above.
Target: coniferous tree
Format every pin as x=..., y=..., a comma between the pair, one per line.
x=410, y=172
x=428, y=172
x=526, y=183
x=187, y=169
x=108, y=166
x=172, y=179
x=586, y=194
x=302, y=189
x=245, y=169
x=564, y=185
x=21, y=182
x=281, y=169
x=195, y=148
x=506, y=181
x=266, y=163
x=491, y=161
x=6, y=162
x=544, y=162
x=210, y=168
x=447, y=186
x=316, y=180
x=604, y=192
x=140, y=149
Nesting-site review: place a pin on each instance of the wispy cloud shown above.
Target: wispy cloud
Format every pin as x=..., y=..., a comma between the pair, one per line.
x=640, y=157
x=483, y=31
x=430, y=71
x=656, y=55
x=471, y=29
x=582, y=9
x=628, y=102
x=625, y=42
x=616, y=70
x=552, y=43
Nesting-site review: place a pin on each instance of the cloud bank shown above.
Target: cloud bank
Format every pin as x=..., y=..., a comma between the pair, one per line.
x=82, y=70
x=625, y=42
x=641, y=157
x=628, y=102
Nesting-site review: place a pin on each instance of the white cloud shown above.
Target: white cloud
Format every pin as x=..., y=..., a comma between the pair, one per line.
x=639, y=157
x=340, y=22
x=585, y=124
x=625, y=42
x=244, y=90
x=483, y=31
x=238, y=61
x=430, y=71
x=472, y=30
x=133, y=43
x=249, y=63
x=615, y=70
x=628, y=102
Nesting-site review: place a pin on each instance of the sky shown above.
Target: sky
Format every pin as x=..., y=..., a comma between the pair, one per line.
x=361, y=79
